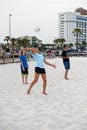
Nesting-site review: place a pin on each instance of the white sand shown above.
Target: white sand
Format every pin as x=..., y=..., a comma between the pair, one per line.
x=64, y=108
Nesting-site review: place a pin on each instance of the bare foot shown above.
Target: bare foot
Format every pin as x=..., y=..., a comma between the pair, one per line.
x=66, y=78
x=27, y=83
x=44, y=93
x=28, y=91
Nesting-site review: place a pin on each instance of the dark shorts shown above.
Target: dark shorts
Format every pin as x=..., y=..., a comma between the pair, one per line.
x=24, y=72
x=40, y=70
x=66, y=65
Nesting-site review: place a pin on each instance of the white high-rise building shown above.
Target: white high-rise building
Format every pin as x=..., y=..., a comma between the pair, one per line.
x=68, y=21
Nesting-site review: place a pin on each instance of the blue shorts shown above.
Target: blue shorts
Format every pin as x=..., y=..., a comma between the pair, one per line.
x=66, y=65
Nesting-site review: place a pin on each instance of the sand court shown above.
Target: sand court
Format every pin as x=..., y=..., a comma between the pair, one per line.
x=64, y=108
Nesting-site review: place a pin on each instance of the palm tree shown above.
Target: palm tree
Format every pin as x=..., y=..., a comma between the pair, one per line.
x=59, y=40
x=56, y=41
x=19, y=42
x=62, y=40
x=77, y=44
x=76, y=33
x=22, y=42
x=71, y=45
x=83, y=45
x=13, y=40
x=7, y=38
x=25, y=41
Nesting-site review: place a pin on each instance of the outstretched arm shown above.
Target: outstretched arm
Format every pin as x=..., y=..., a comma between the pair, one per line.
x=30, y=49
x=64, y=57
x=47, y=63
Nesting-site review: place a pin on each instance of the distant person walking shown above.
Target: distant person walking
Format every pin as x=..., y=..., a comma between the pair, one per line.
x=66, y=61
x=49, y=52
x=1, y=52
x=7, y=51
x=39, y=69
x=24, y=65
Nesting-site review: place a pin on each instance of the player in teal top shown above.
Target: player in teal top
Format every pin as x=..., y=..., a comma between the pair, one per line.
x=39, y=60
x=39, y=69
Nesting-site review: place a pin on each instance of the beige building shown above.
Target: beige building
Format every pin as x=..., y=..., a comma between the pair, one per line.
x=32, y=40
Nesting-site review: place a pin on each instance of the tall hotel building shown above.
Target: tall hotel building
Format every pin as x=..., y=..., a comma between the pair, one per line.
x=68, y=21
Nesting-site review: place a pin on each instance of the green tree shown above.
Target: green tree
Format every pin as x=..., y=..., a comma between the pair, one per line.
x=13, y=41
x=76, y=33
x=62, y=40
x=57, y=41
x=70, y=45
x=83, y=45
x=22, y=42
x=7, y=38
x=77, y=45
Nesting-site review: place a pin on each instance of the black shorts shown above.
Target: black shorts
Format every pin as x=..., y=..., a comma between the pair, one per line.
x=40, y=70
x=24, y=72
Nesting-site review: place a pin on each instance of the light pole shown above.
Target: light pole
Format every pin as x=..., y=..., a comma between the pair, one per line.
x=10, y=27
x=10, y=33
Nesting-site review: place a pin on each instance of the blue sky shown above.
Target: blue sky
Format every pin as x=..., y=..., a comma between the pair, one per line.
x=27, y=14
